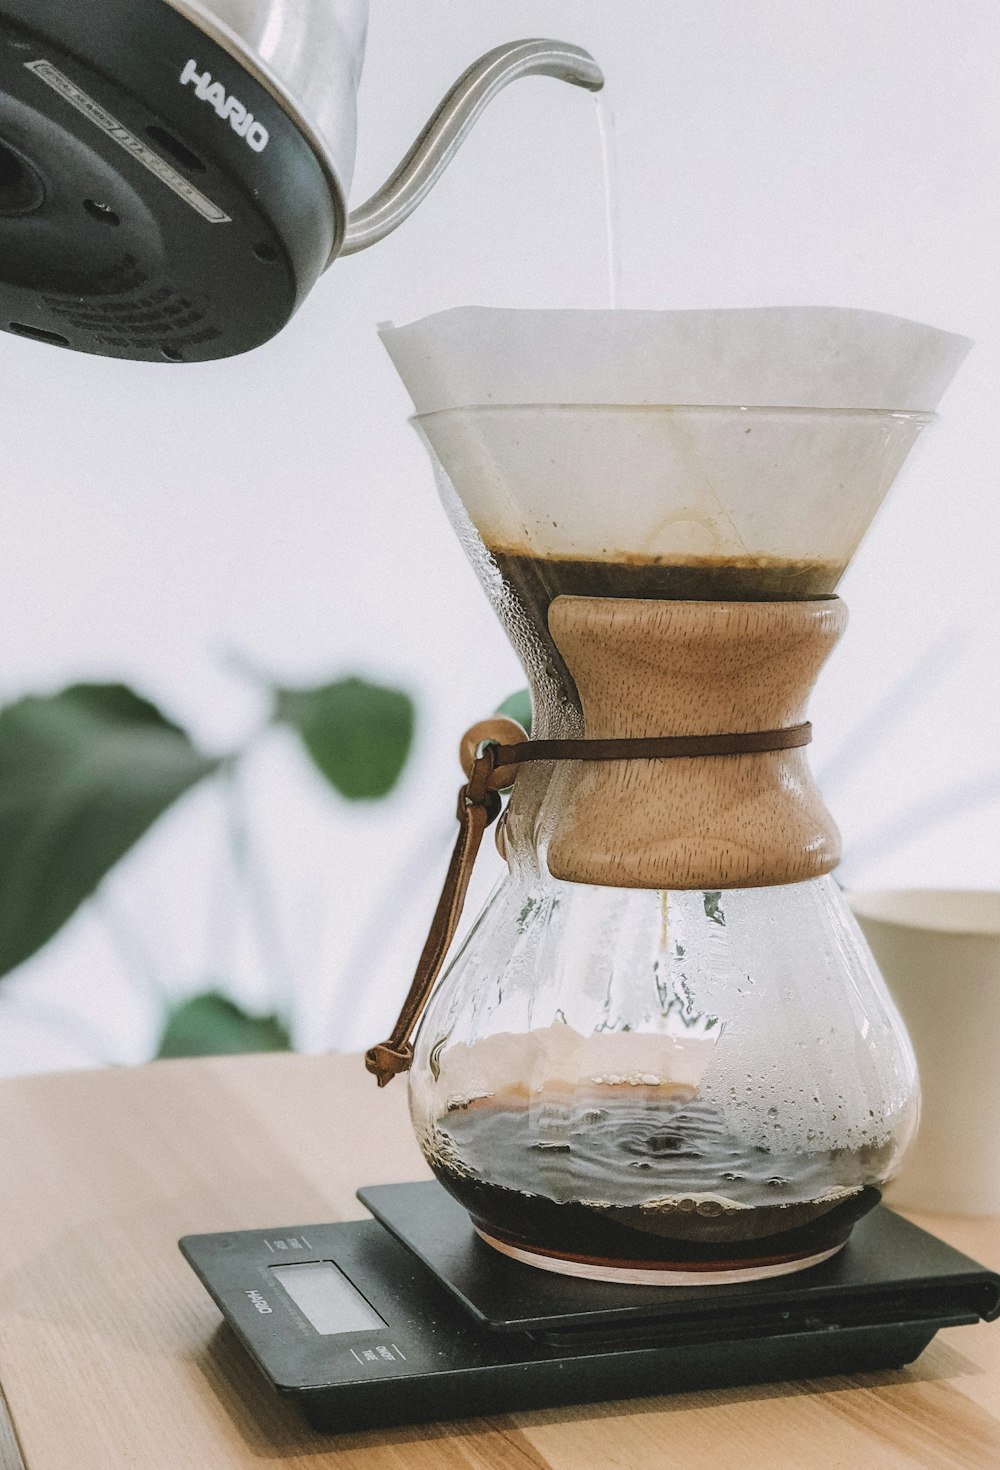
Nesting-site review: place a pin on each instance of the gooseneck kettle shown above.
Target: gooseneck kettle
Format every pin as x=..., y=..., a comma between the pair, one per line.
x=174, y=174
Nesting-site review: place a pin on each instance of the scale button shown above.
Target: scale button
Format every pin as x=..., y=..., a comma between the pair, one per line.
x=378, y=1354
x=287, y=1243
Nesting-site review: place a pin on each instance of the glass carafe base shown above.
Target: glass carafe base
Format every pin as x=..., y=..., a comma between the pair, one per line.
x=637, y=1274
x=682, y=1241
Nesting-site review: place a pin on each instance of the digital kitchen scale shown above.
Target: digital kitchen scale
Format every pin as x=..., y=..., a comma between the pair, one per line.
x=410, y=1316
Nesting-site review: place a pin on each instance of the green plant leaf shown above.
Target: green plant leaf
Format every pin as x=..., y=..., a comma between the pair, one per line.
x=358, y=734
x=83, y=774
x=518, y=707
x=211, y=1025
x=713, y=906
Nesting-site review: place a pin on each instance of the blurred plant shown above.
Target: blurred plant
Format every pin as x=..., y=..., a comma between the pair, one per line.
x=518, y=707
x=212, y=1025
x=85, y=772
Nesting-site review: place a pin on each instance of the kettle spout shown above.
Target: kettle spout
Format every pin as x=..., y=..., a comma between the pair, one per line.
x=449, y=125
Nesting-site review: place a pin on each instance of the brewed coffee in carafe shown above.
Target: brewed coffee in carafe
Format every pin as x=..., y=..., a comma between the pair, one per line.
x=664, y=1053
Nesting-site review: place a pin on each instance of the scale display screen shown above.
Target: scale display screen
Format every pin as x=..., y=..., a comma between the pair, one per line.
x=327, y=1298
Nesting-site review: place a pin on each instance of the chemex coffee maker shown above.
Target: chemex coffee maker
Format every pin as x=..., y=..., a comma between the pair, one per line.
x=664, y=1054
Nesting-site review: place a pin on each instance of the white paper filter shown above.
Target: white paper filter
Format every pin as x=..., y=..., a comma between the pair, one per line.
x=781, y=356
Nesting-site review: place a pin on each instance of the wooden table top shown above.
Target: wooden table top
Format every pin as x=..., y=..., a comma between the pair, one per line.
x=112, y=1355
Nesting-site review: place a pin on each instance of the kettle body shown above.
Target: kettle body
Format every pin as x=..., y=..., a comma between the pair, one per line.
x=308, y=56
x=174, y=175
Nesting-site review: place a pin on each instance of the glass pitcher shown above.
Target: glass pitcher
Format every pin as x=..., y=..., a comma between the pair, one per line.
x=664, y=1053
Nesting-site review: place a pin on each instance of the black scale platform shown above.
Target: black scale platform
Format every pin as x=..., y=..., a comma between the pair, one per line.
x=409, y=1316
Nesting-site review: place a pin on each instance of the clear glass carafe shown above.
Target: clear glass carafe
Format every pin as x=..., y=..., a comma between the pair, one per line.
x=635, y=1079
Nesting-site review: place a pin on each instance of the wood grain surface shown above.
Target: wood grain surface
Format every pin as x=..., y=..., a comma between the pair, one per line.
x=112, y=1357
x=655, y=668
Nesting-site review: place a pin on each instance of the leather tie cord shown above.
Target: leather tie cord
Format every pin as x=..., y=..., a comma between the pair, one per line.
x=479, y=805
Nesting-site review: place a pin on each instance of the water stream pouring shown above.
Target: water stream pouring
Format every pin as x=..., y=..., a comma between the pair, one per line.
x=174, y=174
x=664, y=1053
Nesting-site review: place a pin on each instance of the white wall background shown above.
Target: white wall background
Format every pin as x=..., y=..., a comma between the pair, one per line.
x=159, y=523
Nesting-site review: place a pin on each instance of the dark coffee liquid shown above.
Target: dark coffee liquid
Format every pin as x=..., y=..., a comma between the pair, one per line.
x=695, y=579
x=625, y=1176
x=537, y=580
